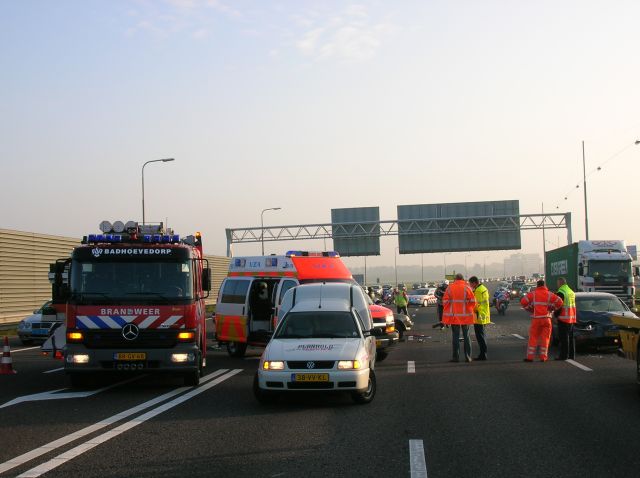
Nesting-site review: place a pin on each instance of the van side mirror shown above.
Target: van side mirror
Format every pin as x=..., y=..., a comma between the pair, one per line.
x=581, y=270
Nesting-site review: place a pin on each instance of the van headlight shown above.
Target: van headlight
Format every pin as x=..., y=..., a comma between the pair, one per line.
x=273, y=365
x=24, y=325
x=348, y=365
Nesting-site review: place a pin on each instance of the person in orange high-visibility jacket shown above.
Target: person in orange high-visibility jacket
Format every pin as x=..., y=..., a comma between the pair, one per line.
x=459, y=304
x=541, y=302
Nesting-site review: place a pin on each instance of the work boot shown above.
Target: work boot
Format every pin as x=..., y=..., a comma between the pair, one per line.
x=481, y=357
x=439, y=324
x=468, y=359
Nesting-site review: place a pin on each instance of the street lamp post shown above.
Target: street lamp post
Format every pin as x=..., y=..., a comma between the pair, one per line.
x=262, y=224
x=584, y=179
x=152, y=161
x=395, y=262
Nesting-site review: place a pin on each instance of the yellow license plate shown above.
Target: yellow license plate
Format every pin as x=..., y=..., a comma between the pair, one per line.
x=130, y=356
x=310, y=377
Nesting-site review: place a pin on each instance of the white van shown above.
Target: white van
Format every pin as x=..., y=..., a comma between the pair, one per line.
x=323, y=341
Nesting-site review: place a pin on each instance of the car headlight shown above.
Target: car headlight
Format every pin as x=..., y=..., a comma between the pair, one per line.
x=348, y=365
x=24, y=325
x=273, y=365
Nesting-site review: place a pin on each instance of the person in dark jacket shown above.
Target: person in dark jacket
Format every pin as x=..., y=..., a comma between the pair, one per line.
x=442, y=288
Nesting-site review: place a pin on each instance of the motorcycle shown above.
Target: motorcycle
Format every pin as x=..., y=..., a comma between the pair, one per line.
x=501, y=305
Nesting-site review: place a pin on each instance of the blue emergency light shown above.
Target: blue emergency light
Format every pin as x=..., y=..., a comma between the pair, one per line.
x=312, y=254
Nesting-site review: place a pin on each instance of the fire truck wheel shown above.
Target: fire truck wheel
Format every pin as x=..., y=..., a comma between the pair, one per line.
x=366, y=396
x=191, y=379
x=638, y=366
x=263, y=396
x=236, y=349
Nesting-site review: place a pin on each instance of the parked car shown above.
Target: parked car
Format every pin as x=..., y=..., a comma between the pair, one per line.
x=33, y=328
x=323, y=342
x=422, y=297
x=594, y=327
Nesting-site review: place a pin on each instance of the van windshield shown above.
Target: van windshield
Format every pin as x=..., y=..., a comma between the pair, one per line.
x=317, y=325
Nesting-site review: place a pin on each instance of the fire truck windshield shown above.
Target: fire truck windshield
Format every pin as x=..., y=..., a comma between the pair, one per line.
x=125, y=282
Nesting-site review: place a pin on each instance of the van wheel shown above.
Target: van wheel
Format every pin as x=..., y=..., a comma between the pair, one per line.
x=236, y=349
x=366, y=396
x=79, y=380
x=425, y=304
x=381, y=355
x=265, y=397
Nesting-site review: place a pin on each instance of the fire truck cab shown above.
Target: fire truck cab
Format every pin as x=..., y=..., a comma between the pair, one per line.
x=248, y=303
x=133, y=300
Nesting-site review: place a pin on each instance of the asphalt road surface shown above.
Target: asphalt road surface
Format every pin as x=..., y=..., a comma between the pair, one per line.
x=500, y=418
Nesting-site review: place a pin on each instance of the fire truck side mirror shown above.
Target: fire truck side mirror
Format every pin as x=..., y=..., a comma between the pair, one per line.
x=59, y=278
x=206, y=279
x=580, y=270
x=636, y=271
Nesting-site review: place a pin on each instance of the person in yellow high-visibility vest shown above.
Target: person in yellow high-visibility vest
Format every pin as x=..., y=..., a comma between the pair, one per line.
x=566, y=317
x=401, y=300
x=482, y=315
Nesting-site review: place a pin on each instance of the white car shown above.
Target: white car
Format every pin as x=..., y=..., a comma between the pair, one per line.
x=423, y=297
x=323, y=341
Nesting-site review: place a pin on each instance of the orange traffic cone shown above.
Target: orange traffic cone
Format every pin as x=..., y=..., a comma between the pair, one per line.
x=6, y=367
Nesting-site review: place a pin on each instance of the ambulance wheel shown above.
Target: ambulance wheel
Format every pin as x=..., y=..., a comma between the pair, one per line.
x=264, y=397
x=381, y=355
x=366, y=396
x=236, y=349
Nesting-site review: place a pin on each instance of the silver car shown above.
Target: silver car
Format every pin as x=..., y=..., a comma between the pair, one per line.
x=32, y=328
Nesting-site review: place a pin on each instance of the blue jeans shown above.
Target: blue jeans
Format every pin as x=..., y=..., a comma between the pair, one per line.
x=455, y=341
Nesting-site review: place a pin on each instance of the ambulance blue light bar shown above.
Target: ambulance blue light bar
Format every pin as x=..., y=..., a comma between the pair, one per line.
x=312, y=254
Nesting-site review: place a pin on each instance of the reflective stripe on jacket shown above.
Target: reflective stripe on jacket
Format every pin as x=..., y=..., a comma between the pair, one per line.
x=568, y=311
x=541, y=302
x=483, y=310
x=458, y=304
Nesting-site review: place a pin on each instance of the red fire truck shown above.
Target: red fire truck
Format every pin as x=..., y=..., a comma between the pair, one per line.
x=132, y=300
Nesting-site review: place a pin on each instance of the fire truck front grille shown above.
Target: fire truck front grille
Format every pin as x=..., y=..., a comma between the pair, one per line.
x=112, y=338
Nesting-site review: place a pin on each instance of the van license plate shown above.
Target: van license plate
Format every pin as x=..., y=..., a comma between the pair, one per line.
x=130, y=356
x=310, y=377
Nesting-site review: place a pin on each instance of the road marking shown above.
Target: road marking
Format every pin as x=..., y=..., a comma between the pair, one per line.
x=411, y=366
x=35, y=453
x=417, y=463
x=56, y=395
x=579, y=365
x=22, y=350
x=410, y=337
x=518, y=336
x=93, y=442
x=54, y=370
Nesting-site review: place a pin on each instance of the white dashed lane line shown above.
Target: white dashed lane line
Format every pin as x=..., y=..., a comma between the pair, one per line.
x=54, y=370
x=23, y=350
x=411, y=366
x=579, y=365
x=417, y=462
x=518, y=336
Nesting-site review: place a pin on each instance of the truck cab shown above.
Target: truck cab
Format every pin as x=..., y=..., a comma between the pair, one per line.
x=133, y=301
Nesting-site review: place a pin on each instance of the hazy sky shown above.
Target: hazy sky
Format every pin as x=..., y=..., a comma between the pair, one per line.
x=314, y=105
